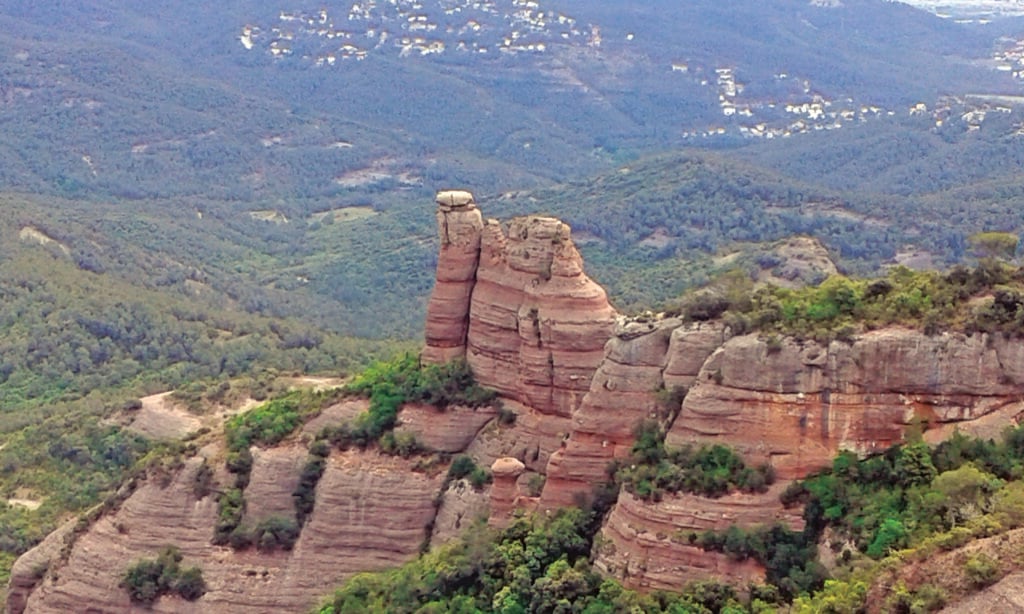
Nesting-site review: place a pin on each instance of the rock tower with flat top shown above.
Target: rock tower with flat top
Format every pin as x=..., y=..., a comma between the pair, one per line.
x=459, y=227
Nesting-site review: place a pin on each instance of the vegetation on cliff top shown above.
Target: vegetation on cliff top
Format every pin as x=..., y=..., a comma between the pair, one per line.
x=388, y=385
x=986, y=298
x=710, y=471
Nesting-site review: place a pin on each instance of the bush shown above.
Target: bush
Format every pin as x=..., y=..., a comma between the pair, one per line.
x=839, y=307
x=202, y=483
x=148, y=579
x=266, y=424
x=981, y=569
x=389, y=385
x=535, y=485
x=506, y=416
x=479, y=478
x=461, y=466
x=305, y=491
x=711, y=471
x=190, y=584
x=400, y=444
x=230, y=509
x=275, y=533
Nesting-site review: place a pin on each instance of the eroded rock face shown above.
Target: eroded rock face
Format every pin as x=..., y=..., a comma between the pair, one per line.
x=450, y=430
x=371, y=513
x=519, y=307
x=795, y=405
x=275, y=474
x=30, y=568
x=538, y=324
x=459, y=225
x=646, y=545
x=644, y=362
x=531, y=439
x=461, y=506
x=534, y=327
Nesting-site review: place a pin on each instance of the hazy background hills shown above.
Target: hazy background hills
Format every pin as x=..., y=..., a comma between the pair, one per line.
x=185, y=109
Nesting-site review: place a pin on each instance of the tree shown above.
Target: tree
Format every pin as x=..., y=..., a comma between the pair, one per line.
x=890, y=535
x=999, y=245
x=965, y=492
x=914, y=465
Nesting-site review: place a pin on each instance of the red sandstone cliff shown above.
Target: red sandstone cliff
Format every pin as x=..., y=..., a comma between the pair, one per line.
x=515, y=302
x=459, y=225
x=797, y=405
x=537, y=323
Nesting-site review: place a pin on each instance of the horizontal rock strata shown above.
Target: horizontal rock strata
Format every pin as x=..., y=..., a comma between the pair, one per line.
x=449, y=430
x=538, y=324
x=643, y=365
x=459, y=226
x=795, y=405
x=371, y=513
x=646, y=544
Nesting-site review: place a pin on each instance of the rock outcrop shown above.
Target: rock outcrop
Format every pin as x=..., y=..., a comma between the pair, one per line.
x=459, y=225
x=461, y=505
x=577, y=378
x=451, y=430
x=505, y=490
x=518, y=305
x=645, y=367
x=796, y=404
x=647, y=545
x=537, y=324
x=371, y=513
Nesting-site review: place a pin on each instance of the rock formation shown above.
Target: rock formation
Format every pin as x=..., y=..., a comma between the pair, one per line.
x=644, y=363
x=459, y=225
x=537, y=324
x=370, y=514
x=515, y=303
x=519, y=306
x=647, y=545
x=451, y=430
x=796, y=404
x=505, y=489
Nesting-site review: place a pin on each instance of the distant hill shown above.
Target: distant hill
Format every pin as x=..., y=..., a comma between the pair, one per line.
x=242, y=101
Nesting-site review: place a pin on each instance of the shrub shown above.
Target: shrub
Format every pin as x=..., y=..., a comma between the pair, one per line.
x=400, y=444
x=305, y=491
x=981, y=569
x=148, y=579
x=891, y=534
x=266, y=424
x=479, y=478
x=190, y=584
x=711, y=471
x=203, y=481
x=230, y=509
x=506, y=416
x=535, y=485
x=389, y=385
x=461, y=466
x=275, y=533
